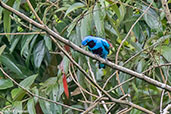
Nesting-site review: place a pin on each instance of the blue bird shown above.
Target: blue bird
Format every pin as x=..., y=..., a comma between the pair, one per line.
x=97, y=46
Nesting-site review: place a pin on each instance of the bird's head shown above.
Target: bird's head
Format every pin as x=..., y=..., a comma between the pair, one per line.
x=86, y=40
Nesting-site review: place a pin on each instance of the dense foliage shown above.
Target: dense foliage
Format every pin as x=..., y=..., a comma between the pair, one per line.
x=32, y=59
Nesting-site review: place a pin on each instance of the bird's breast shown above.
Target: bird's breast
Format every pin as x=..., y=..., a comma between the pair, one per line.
x=98, y=51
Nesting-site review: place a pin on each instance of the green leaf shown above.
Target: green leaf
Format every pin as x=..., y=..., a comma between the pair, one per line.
x=81, y=77
x=116, y=9
x=65, y=63
x=74, y=7
x=135, y=88
x=39, y=53
x=5, y=84
x=140, y=66
x=75, y=37
x=98, y=17
x=31, y=106
x=152, y=19
x=17, y=107
x=18, y=93
x=153, y=3
x=2, y=49
x=122, y=14
x=14, y=93
x=57, y=91
x=166, y=52
x=48, y=42
x=14, y=43
x=32, y=43
x=123, y=77
x=1, y=9
x=17, y=4
x=70, y=28
x=113, y=28
x=98, y=73
x=109, y=28
x=25, y=43
x=10, y=65
x=135, y=111
x=72, y=25
x=7, y=19
x=86, y=24
x=26, y=83
x=169, y=1
x=45, y=106
x=61, y=9
x=7, y=22
x=138, y=31
x=49, y=82
x=27, y=72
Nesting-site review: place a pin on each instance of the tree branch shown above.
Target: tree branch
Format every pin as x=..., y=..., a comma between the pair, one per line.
x=166, y=10
x=166, y=110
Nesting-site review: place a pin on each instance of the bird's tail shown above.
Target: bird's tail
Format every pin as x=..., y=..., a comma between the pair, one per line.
x=101, y=65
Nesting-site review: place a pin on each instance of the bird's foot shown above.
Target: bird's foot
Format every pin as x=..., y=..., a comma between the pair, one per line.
x=106, y=60
x=96, y=56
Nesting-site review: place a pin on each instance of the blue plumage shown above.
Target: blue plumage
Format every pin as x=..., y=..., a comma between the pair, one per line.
x=97, y=46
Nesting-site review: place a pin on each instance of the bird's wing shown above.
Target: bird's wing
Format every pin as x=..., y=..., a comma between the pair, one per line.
x=106, y=45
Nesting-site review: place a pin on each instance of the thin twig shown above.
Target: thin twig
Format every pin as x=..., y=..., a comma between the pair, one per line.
x=156, y=66
x=90, y=108
x=121, y=84
x=161, y=101
x=23, y=24
x=110, y=108
x=23, y=33
x=32, y=9
x=124, y=111
x=96, y=102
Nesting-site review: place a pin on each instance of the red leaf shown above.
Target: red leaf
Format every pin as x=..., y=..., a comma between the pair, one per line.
x=65, y=85
x=38, y=109
x=67, y=48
